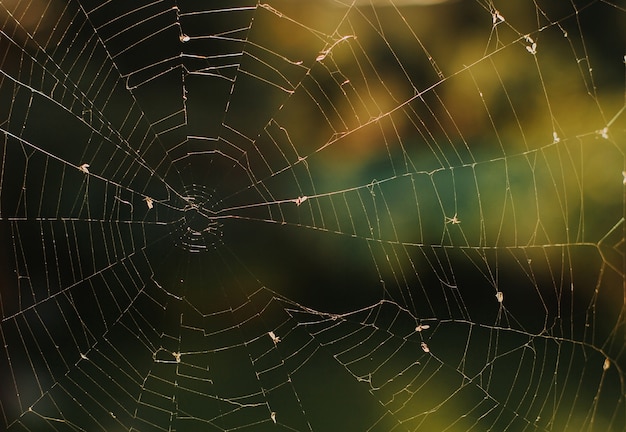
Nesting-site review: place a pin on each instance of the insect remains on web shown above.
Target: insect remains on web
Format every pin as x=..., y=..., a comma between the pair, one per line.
x=300, y=200
x=425, y=347
x=84, y=168
x=274, y=338
x=500, y=296
x=273, y=416
x=184, y=38
x=421, y=327
x=532, y=47
x=454, y=220
x=497, y=18
x=149, y=202
x=604, y=133
x=371, y=186
x=607, y=364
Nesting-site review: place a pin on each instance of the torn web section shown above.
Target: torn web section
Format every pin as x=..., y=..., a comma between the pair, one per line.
x=268, y=72
x=152, y=78
x=211, y=57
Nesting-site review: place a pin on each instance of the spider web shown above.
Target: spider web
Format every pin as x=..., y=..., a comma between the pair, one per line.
x=329, y=215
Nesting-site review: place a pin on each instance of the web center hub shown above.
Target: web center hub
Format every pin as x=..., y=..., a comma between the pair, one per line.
x=198, y=230
x=198, y=221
